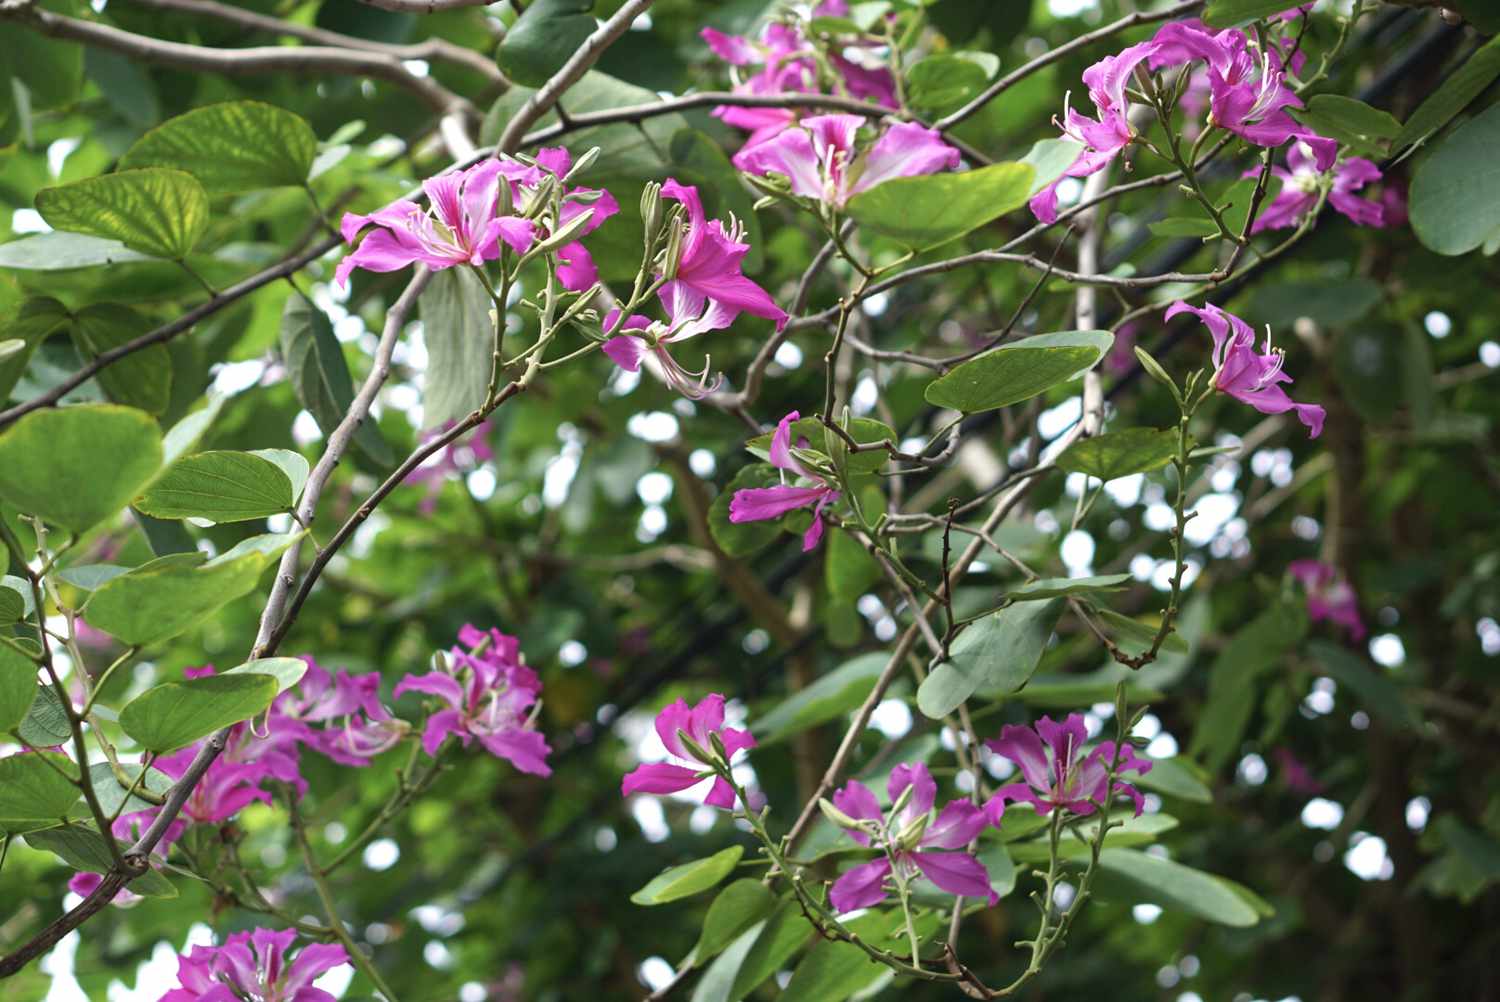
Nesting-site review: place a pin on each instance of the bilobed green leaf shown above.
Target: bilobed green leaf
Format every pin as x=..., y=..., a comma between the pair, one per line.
x=32, y=793
x=60, y=250
x=46, y=723
x=460, y=339
x=1120, y=453
x=740, y=539
x=1466, y=83
x=42, y=453
x=927, y=211
x=231, y=147
x=293, y=464
x=688, y=879
x=542, y=39
x=17, y=688
x=1179, y=888
x=161, y=599
x=90, y=576
x=155, y=210
x=1455, y=191
x=1018, y=371
x=1229, y=13
x=116, y=797
x=220, y=486
x=828, y=697
x=320, y=376
x=141, y=379
x=174, y=714
x=1045, y=588
x=736, y=908
x=1362, y=129
x=1255, y=650
x=997, y=654
x=286, y=671
x=81, y=847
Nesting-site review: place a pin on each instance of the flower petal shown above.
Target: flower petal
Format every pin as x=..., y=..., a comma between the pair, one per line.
x=658, y=777
x=956, y=873
x=860, y=887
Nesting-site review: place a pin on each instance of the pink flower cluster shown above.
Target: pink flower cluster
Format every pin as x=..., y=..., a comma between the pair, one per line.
x=782, y=60
x=1056, y=773
x=254, y=967
x=1329, y=595
x=468, y=218
x=1302, y=179
x=489, y=695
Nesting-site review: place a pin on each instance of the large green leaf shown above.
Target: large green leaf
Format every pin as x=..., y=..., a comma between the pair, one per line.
x=997, y=654
x=17, y=688
x=736, y=908
x=546, y=34
x=141, y=379
x=286, y=671
x=32, y=792
x=830, y=696
x=942, y=82
x=220, y=486
x=1466, y=83
x=320, y=376
x=684, y=881
x=42, y=454
x=1045, y=588
x=460, y=339
x=1228, y=13
x=1362, y=129
x=174, y=714
x=783, y=935
x=1176, y=777
x=171, y=594
x=83, y=848
x=1179, y=888
x=740, y=539
x=231, y=147
x=1018, y=371
x=116, y=797
x=1120, y=453
x=927, y=211
x=156, y=211
x=1455, y=192
x=59, y=251
x=46, y=724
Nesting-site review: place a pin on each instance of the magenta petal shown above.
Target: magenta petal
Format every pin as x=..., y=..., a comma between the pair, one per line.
x=1133, y=794
x=957, y=824
x=755, y=504
x=675, y=716
x=956, y=873
x=312, y=961
x=906, y=150
x=526, y=750
x=439, y=726
x=1022, y=746
x=575, y=267
x=626, y=351
x=858, y=802
x=790, y=154
x=860, y=887
x=721, y=794
x=923, y=792
x=445, y=687
x=658, y=777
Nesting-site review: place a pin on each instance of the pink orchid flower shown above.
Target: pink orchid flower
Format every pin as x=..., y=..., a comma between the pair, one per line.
x=819, y=159
x=911, y=839
x=1055, y=771
x=357, y=726
x=1248, y=90
x=756, y=504
x=490, y=696
x=461, y=225
x=1329, y=595
x=1102, y=138
x=254, y=966
x=685, y=769
x=709, y=268
x=688, y=314
x=1301, y=181
x=576, y=270
x=1249, y=376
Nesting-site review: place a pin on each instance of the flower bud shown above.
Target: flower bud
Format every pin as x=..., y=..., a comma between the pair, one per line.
x=673, y=257
x=562, y=235
x=835, y=815
x=901, y=801
x=583, y=163
x=1154, y=369
x=912, y=833
x=507, y=202
x=651, y=209
x=695, y=749
x=440, y=662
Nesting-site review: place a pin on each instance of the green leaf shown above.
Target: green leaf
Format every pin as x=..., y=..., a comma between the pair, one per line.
x=156, y=211
x=460, y=339
x=1044, y=588
x=220, y=486
x=1230, y=13
x=115, y=798
x=1178, y=888
x=90, y=576
x=928, y=211
x=833, y=971
x=231, y=147
x=1120, y=453
x=1132, y=831
x=1176, y=777
x=1135, y=636
x=320, y=376
x=42, y=453
x=46, y=723
x=60, y=250
x=1049, y=158
x=783, y=935
x=1330, y=302
x=942, y=83
x=293, y=464
x=12, y=605
x=827, y=698
x=684, y=881
x=1466, y=83
x=51, y=71
x=740, y=539
x=125, y=85
x=1018, y=371
x=1356, y=125
x=36, y=321
x=169, y=595
x=1184, y=226
x=546, y=34
x=286, y=671
x=32, y=793
x=1252, y=652
x=83, y=848
x=141, y=379
x=736, y=908
x=18, y=688
x=1373, y=686
x=184, y=436
x=997, y=654
x=174, y=714
x=1455, y=191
